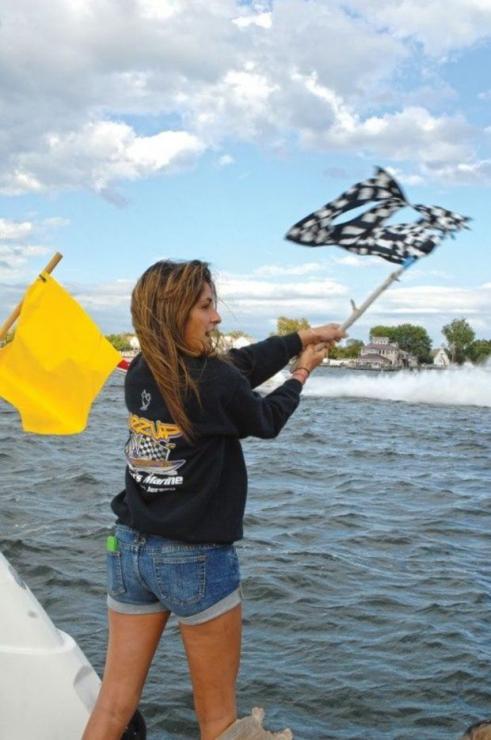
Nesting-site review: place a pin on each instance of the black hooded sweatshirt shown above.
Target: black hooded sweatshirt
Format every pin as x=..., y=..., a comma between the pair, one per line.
x=196, y=492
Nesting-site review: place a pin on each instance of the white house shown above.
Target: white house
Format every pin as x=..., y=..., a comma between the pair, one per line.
x=382, y=353
x=228, y=341
x=440, y=358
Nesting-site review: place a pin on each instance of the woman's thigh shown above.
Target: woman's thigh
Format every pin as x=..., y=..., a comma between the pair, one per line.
x=213, y=652
x=133, y=639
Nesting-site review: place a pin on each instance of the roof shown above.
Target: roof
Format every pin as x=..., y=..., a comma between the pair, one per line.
x=377, y=346
x=373, y=357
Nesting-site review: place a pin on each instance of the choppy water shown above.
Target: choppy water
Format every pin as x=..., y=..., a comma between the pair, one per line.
x=366, y=562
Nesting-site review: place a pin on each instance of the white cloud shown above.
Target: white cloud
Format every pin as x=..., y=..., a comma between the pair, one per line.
x=441, y=26
x=351, y=260
x=20, y=253
x=254, y=304
x=159, y=10
x=238, y=105
x=411, y=134
x=110, y=295
x=16, y=247
x=98, y=155
x=225, y=160
x=278, y=270
x=415, y=274
x=476, y=172
x=263, y=20
x=14, y=230
x=406, y=178
x=55, y=222
x=245, y=288
x=13, y=260
x=79, y=77
x=442, y=300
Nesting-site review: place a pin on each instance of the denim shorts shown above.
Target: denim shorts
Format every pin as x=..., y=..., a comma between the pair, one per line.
x=148, y=574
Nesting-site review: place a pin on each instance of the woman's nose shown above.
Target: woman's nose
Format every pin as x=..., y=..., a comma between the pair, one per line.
x=217, y=319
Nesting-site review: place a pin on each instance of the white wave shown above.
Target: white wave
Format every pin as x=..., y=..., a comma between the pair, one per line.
x=462, y=386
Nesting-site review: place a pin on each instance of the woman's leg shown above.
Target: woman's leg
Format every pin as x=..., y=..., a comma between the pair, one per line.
x=133, y=639
x=213, y=651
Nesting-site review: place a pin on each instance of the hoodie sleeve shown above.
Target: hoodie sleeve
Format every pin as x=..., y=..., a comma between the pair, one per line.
x=260, y=361
x=262, y=416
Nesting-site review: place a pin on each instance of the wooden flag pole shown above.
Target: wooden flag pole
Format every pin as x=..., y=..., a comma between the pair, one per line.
x=392, y=278
x=57, y=257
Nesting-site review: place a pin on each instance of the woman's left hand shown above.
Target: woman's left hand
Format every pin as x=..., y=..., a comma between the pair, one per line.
x=328, y=334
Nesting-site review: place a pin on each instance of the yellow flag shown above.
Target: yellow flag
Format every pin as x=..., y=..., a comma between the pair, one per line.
x=57, y=362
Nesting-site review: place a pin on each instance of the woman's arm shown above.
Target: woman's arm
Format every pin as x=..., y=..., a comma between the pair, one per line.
x=257, y=416
x=260, y=361
x=253, y=415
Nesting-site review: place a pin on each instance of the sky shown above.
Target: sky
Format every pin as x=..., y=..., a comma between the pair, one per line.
x=137, y=130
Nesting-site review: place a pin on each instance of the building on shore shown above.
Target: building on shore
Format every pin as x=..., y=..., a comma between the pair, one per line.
x=382, y=354
x=344, y=362
x=234, y=341
x=134, y=344
x=440, y=357
x=225, y=342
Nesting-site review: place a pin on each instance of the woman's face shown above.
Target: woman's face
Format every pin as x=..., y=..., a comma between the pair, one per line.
x=203, y=318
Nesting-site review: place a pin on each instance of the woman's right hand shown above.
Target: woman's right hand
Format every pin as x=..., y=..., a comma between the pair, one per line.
x=330, y=333
x=311, y=356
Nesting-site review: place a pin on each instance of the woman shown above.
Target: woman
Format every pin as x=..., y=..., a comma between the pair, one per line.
x=184, y=498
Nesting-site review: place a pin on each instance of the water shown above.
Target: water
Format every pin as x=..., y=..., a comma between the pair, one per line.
x=366, y=562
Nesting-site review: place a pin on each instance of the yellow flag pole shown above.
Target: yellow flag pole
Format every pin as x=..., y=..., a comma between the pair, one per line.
x=57, y=257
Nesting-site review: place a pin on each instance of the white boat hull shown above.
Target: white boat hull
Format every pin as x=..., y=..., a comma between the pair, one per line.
x=47, y=685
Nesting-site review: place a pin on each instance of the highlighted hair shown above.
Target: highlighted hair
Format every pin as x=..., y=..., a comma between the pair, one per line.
x=160, y=306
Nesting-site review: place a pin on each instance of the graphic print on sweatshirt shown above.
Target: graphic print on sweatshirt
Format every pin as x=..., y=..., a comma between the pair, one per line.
x=147, y=452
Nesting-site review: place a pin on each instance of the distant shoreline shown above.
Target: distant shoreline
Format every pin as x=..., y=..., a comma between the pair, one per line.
x=367, y=368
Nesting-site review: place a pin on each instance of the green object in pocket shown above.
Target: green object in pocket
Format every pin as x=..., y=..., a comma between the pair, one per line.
x=112, y=543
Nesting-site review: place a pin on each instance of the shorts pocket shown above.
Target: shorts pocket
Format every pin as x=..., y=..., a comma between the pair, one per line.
x=115, y=580
x=181, y=577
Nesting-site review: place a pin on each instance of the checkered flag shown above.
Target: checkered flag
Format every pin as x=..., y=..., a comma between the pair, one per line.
x=144, y=447
x=368, y=234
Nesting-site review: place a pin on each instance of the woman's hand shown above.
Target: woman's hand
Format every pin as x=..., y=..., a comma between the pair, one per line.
x=316, y=343
x=310, y=358
x=328, y=334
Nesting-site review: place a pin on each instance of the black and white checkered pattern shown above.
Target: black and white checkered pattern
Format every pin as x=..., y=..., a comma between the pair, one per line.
x=367, y=234
x=143, y=447
x=439, y=218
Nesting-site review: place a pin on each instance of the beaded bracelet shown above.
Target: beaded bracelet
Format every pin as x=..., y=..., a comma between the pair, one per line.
x=298, y=374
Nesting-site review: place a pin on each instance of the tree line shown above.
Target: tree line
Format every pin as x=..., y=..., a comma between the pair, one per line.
x=462, y=344
x=121, y=342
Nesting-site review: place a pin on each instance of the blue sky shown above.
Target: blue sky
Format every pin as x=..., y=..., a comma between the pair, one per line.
x=182, y=128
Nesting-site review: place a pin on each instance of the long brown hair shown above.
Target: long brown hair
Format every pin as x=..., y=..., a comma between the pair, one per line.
x=160, y=305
